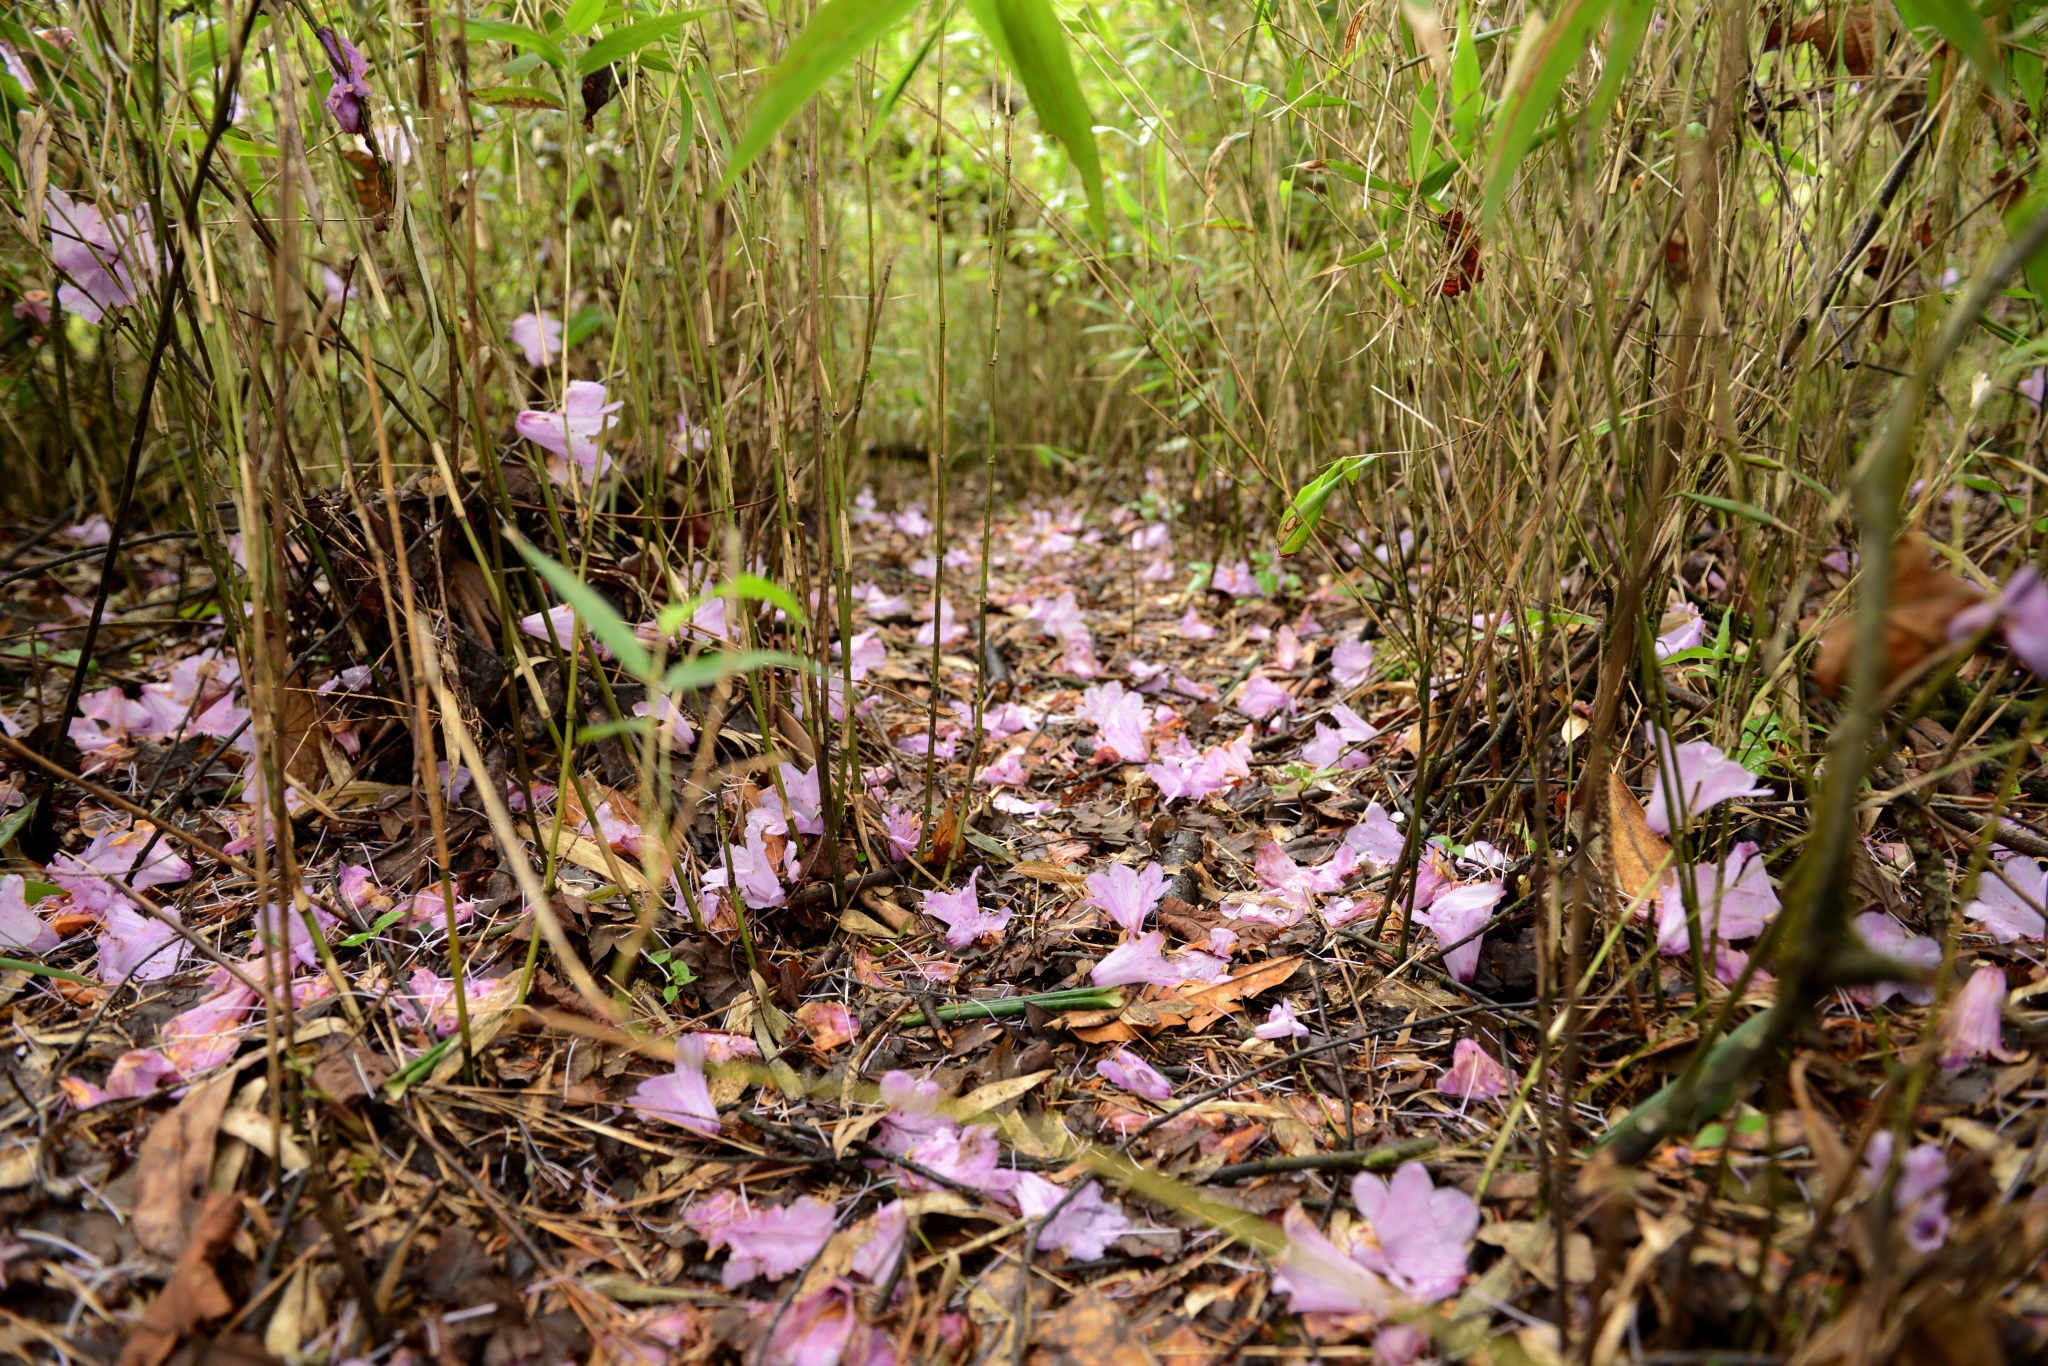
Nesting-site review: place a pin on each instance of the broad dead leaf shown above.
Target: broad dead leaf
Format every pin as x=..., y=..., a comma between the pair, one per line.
x=1925, y=598
x=1088, y=1330
x=1637, y=856
x=193, y=1294
x=176, y=1158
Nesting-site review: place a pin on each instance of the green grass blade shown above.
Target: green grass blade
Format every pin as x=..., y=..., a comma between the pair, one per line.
x=603, y=620
x=1543, y=59
x=624, y=42
x=708, y=669
x=1038, y=47
x=836, y=35
x=887, y=102
x=518, y=35
x=1631, y=21
x=1959, y=22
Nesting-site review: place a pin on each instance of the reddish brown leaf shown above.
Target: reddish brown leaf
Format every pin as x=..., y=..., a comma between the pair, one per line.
x=1925, y=598
x=193, y=1294
x=176, y=1158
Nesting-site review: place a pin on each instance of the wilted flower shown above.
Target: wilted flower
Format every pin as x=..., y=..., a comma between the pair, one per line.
x=570, y=434
x=769, y=1242
x=1237, y=580
x=1474, y=1074
x=1192, y=627
x=1317, y=1278
x=2003, y=897
x=1423, y=1231
x=950, y=631
x=349, y=100
x=1120, y=718
x=102, y=256
x=1007, y=771
x=1683, y=628
x=1142, y=960
x=1703, y=776
x=1971, y=1029
x=1350, y=662
x=2021, y=608
x=1084, y=1229
x=1456, y=916
x=21, y=929
x=1281, y=1024
x=539, y=336
x=1131, y=1072
x=33, y=307
x=1128, y=894
x=962, y=915
x=683, y=1097
x=1917, y=1196
x=1735, y=901
x=1260, y=697
x=1376, y=839
x=1882, y=934
x=904, y=830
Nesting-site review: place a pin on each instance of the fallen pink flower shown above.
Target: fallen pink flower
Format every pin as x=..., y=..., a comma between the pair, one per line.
x=683, y=1096
x=869, y=653
x=1237, y=580
x=770, y=1242
x=570, y=434
x=1131, y=1072
x=2022, y=609
x=357, y=888
x=876, y=1257
x=806, y=806
x=1317, y=1278
x=1456, y=916
x=1281, y=1024
x=1128, y=894
x=539, y=336
x=672, y=721
x=134, y=946
x=1882, y=934
x=1683, y=628
x=428, y=912
x=1424, y=1231
x=1400, y=1344
x=913, y=1111
x=435, y=996
x=116, y=852
x=1120, y=718
x=2009, y=897
x=1702, y=775
x=1287, y=650
x=21, y=929
x=1084, y=1229
x=1192, y=627
x=970, y=1157
x=1474, y=1074
x=1007, y=771
x=1735, y=901
x=1350, y=662
x=348, y=100
x=1136, y=961
x=1918, y=1197
x=202, y=1038
x=904, y=831
x=1059, y=617
x=1376, y=839
x=950, y=631
x=1971, y=1029
x=828, y=1024
x=135, y=1073
x=824, y=1328
x=102, y=256
x=962, y=915
x=1260, y=697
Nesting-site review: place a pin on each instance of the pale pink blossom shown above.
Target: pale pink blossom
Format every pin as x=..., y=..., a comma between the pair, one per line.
x=950, y=631
x=137, y=946
x=913, y=1111
x=1237, y=580
x=1007, y=771
x=1474, y=1074
x=1376, y=839
x=824, y=1328
x=1287, y=650
x=1059, y=617
x=1084, y=1229
x=1318, y=1278
x=753, y=872
x=1350, y=662
x=1281, y=1024
x=2021, y=608
x=1456, y=915
x=1192, y=627
x=969, y=1156
x=1183, y=772
x=672, y=722
x=135, y=1073
x=21, y=929
x=1683, y=628
x=2010, y=896
x=806, y=806
x=202, y=1038
x=1744, y=903
x=435, y=996
x=683, y=1096
x=1424, y=1231
x=877, y=1254
x=1131, y=1072
x=1400, y=1344
x=904, y=831
x=539, y=335
x=1703, y=776
x=1260, y=697
x=1128, y=894
x=869, y=653
x=1919, y=1199
x=105, y=258
x=1971, y=1029
x=1282, y=875
x=963, y=917
x=570, y=434
x=770, y=1242
x=1884, y=935
x=1135, y=961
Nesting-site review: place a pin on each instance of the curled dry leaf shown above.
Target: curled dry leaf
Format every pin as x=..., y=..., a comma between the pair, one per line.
x=1636, y=857
x=1925, y=598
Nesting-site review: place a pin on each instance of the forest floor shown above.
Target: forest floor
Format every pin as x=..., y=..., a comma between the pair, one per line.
x=1267, y=1119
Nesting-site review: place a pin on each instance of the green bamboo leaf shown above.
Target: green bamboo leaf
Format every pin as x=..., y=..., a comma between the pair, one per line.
x=837, y=33
x=513, y=97
x=705, y=670
x=624, y=42
x=582, y=16
x=602, y=619
x=1735, y=509
x=1037, y=48
x=1468, y=101
x=40, y=970
x=1543, y=58
x=890, y=96
x=1959, y=22
x=518, y=35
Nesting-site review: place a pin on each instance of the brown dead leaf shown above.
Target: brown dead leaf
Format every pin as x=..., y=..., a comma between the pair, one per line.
x=1212, y=1003
x=1533, y=1246
x=1925, y=598
x=1088, y=1330
x=193, y=1294
x=1857, y=30
x=172, y=1168
x=347, y=1071
x=1637, y=856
